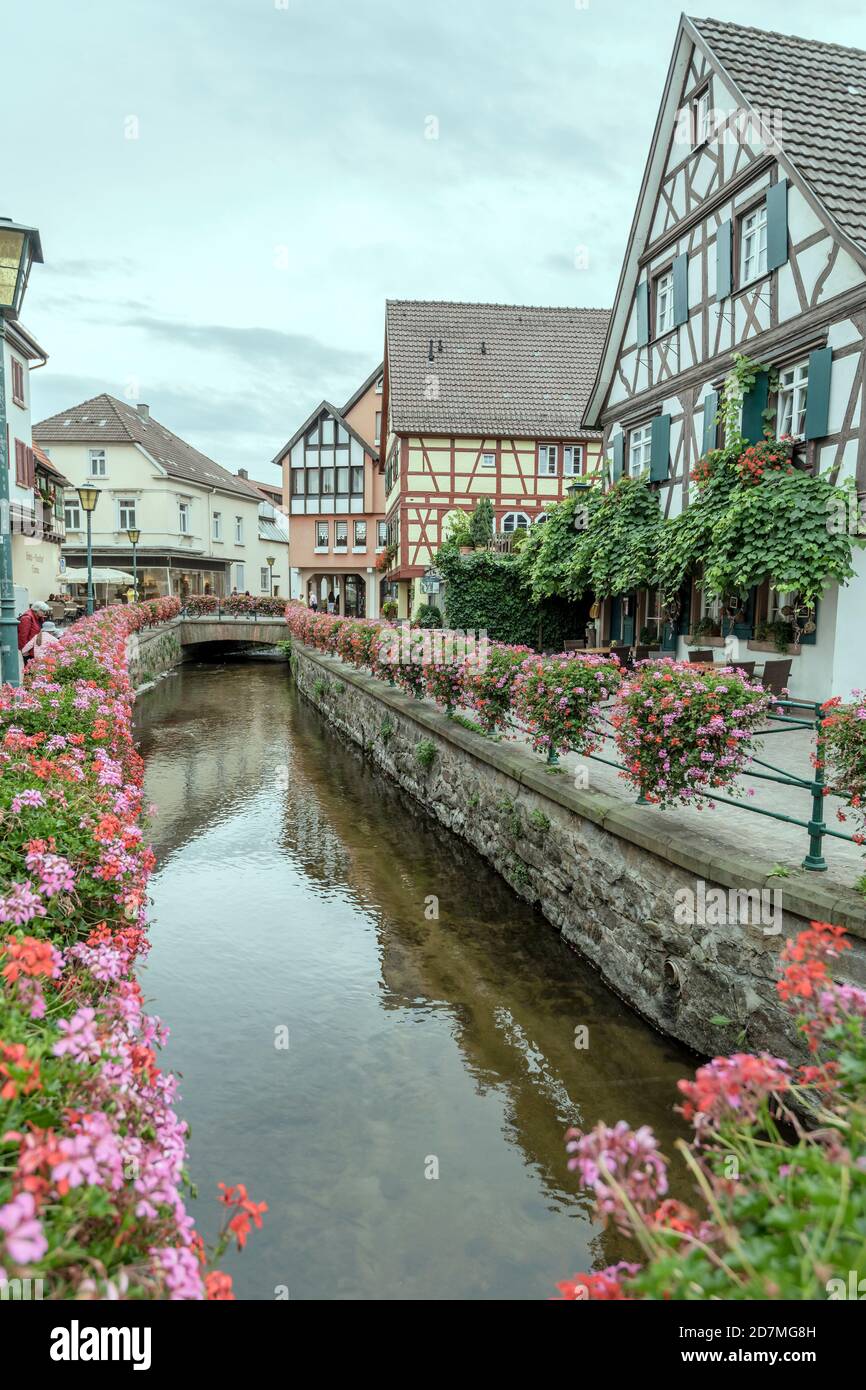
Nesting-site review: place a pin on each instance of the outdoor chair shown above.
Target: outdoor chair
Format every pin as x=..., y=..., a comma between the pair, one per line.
x=775, y=676
x=642, y=653
x=747, y=668
x=701, y=656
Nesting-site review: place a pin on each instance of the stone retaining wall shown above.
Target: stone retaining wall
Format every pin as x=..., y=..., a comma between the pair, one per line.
x=153, y=651
x=601, y=870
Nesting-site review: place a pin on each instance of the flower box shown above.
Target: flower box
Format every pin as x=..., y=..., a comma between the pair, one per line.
x=755, y=645
x=692, y=641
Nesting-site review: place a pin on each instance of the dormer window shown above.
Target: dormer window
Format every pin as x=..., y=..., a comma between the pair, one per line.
x=664, y=295
x=701, y=117
x=753, y=244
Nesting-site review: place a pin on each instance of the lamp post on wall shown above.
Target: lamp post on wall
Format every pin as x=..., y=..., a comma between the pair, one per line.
x=19, y=248
x=134, y=535
x=88, y=497
x=272, y=560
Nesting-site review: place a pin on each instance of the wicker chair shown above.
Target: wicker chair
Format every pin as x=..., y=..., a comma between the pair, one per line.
x=774, y=676
x=701, y=656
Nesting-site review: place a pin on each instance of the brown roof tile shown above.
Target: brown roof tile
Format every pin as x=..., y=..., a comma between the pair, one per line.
x=503, y=369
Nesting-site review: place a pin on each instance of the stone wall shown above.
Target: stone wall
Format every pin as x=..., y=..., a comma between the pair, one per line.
x=153, y=651
x=599, y=869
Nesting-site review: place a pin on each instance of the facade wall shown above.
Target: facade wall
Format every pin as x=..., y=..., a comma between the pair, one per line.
x=35, y=557
x=815, y=299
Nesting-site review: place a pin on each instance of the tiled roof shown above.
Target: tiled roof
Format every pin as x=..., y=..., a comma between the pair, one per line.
x=44, y=462
x=819, y=93
x=504, y=369
x=106, y=420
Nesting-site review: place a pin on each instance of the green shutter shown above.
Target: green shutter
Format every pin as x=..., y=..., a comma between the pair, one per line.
x=642, y=313
x=777, y=224
x=818, y=393
x=660, y=448
x=724, y=245
x=754, y=405
x=681, y=289
x=618, y=456
x=711, y=410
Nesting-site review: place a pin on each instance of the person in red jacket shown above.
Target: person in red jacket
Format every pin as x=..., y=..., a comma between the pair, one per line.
x=29, y=624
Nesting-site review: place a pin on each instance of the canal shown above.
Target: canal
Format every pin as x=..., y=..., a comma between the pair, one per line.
x=408, y=1139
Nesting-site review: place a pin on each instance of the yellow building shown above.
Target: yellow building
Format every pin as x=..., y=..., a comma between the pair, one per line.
x=481, y=400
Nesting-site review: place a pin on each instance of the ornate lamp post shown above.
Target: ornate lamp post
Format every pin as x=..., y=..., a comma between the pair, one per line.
x=272, y=560
x=134, y=535
x=88, y=497
x=19, y=248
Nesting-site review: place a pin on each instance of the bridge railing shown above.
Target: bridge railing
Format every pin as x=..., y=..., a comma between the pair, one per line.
x=234, y=606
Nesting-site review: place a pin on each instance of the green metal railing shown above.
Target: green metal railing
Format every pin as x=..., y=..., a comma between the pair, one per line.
x=787, y=716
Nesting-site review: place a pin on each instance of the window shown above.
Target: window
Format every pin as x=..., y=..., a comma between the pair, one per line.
x=98, y=465
x=183, y=511
x=639, y=449
x=515, y=521
x=781, y=605
x=341, y=535
x=753, y=244
x=343, y=481
x=240, y=581
x=217, y=526
x=321, y=535
x=379, y=385
x=264, y=581
x=297, y=482
x=327, y=482
x=239, y=530
x=547, y=456
x=537, y=520
x=664, y=293
x=126, y=514
x=572, y=460
x=72, y=513
x=381, y=534
x=701, y=117
x=359, y=539
x=654, y=616
x=378, y=434
x=17, y=382
x=488, y=460
x=357, y=479
x=791, y=409
x=312, y=482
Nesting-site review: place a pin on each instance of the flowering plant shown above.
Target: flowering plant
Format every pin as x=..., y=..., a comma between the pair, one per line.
x=844, y=729
x=682, y=731
x=559, y=698
x=487, y=688
x=92, y=1152
x=767, y=456
x=778, y=1154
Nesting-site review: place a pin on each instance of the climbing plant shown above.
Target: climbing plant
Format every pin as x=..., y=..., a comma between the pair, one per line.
x=620, y=545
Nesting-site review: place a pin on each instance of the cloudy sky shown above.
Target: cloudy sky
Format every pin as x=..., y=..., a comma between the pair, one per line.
x=228, y=190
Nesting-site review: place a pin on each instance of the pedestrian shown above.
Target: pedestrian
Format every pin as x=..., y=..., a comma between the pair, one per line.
x=130, y=595
x=30, y=623
x=314, y=603
x=332, y=607
x=42, y=641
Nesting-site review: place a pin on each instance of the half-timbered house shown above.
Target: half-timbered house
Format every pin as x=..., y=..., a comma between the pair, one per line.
x=481, y=400
x=749, y=236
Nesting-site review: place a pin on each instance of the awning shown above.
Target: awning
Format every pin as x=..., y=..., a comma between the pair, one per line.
x=100, y=576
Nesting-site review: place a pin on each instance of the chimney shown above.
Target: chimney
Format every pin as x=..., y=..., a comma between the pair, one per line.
x=144, y=411
x=242, y=473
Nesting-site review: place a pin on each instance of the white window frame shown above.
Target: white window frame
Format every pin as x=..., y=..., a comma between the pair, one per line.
x=217, y=526
x=664, y=302
x=655, y=613
x=753, y=244
x=184, y=517
x=777, y=599
x=702, y=112
x=791, y=400
x=72, y=507
x=377, y=427
x=381, y=534
x=548, y=460
x=514, y=521
x=240, y=577
x=239, y=530
x=488, y=459
x=359, y=547
x=321, y=546
x=380, y=383
x=572, y=460
x=94, y=457
x=639, y=450
x=123, y=505
x=264, y=578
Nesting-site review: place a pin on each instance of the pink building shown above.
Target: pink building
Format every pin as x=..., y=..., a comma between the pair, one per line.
x=334, y=487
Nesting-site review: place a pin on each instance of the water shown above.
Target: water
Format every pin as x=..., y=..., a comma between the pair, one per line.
x=290, y=895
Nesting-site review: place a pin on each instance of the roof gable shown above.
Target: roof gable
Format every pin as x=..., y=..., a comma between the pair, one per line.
x=494, y=369
x=326, y=408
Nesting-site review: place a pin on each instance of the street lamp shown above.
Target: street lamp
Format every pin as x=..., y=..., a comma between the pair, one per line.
x=272, y=560
x=88, y=497
x=134, y=537
x=19, y=248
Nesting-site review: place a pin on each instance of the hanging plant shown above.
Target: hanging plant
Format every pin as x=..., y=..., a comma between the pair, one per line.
x=487, y=687
x=559, y=699
x=618, y=550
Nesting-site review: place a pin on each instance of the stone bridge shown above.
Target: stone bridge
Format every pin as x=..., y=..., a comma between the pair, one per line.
x=259, y=632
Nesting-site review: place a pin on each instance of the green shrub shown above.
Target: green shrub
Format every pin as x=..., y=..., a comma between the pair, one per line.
x=539, y=820
x=425, y=752
x=428, y=615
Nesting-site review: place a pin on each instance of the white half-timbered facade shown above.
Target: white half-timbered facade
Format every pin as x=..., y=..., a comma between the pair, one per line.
x=749, y=237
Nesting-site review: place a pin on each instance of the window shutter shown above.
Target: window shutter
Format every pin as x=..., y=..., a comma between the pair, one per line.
x=643, y=313
x=818, y=393
x=618, y=456
x=724, y=246
x=660, y=448
x=711, y=410
x=754, y=405
x=681, y=289
x=20, y=467
x=777, y=224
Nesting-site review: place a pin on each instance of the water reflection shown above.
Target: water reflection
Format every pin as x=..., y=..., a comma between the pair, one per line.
x=291, y=892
